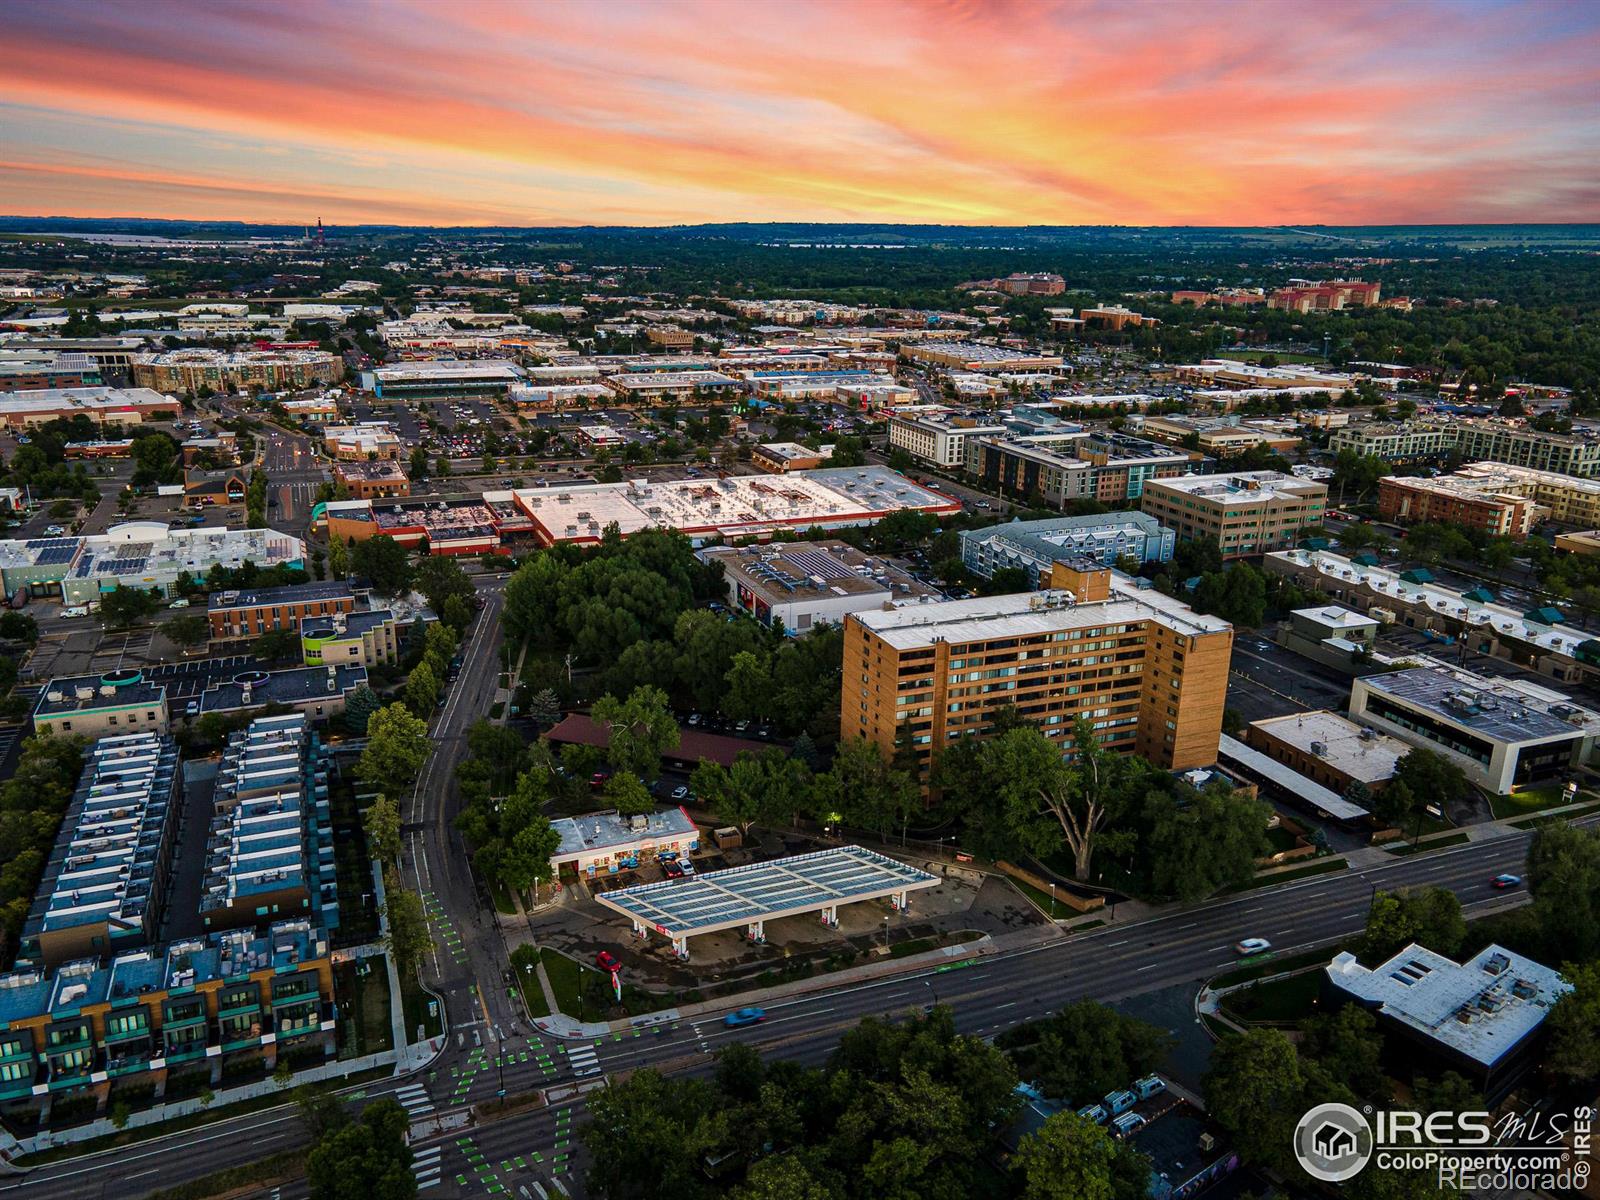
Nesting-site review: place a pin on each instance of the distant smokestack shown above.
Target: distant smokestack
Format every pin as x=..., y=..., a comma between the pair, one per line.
x=321, y=240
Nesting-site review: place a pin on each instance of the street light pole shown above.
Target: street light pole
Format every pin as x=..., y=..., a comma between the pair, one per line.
x=1052, y=900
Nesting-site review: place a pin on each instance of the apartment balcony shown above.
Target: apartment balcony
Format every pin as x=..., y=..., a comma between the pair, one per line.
x=115, y=1037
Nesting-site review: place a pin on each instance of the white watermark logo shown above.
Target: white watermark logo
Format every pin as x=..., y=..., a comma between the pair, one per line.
x=1333, y=1142
x=1467, y=1151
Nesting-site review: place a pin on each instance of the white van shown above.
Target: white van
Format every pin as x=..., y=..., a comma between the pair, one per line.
x=77, y=610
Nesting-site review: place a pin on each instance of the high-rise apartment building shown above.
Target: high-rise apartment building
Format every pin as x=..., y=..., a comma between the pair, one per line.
x=1147, y=671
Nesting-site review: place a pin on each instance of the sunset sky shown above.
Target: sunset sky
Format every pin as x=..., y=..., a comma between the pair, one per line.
x=668, y=112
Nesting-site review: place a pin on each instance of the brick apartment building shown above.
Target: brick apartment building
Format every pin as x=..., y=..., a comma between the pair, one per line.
x=1247, y=513
x=1147, y=671
x=249, y=614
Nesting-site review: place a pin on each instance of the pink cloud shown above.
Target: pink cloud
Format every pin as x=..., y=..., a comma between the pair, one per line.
x=965, y=110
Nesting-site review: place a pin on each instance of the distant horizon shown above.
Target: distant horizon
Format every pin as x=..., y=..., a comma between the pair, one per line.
x=660, y=114
x=9, y=219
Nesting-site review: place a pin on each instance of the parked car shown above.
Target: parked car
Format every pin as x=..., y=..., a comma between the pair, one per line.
x=671, y=869
x=686, y=866
x=607, y=961
x=598, y=780
x=1250, y=947
x=680, y=794
x=745, y=1016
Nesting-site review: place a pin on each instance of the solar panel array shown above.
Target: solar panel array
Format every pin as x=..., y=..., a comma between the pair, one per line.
x=803, y=883
x=819, y=563
x=123, y=566
x=49, y=552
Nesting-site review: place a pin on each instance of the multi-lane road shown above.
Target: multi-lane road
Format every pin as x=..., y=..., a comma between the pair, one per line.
x=993, y=992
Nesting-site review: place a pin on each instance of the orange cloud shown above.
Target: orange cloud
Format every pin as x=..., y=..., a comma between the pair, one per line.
x=673, y=112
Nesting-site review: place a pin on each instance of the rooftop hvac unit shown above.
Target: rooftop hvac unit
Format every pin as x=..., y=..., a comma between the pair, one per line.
x=54, y=696
x=83, y=693
x=1320, y=749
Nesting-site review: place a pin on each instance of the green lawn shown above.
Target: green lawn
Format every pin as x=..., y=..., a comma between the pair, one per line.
x=567, y=980
x=418, y=1007
x=1322, y=866
x=1531, y=800
x=532, y=994
x=1281, y=1001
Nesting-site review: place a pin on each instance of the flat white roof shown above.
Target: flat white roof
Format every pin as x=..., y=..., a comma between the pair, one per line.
x=1482, y=1008
x=987, y=617
x=1356, y=750
x=610, y=832
x=784, y=887
x=738, y=503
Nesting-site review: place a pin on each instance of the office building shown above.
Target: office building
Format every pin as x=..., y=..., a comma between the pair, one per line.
x=1146, y=671
x=1245, y=514
x=444, y=378
x=365, y=639
x=669, y=337
x=798, y=585
x=379, y=479
x=1505, y=734
x=1114, y=317
x=1330, y=749
x=1035, y=283
x=1474, y=502
x=365, y=442
x=317, y=693
x=1219, y=436
x=1540, y=639
x=1056, y=469
x=938, y=436
x=105, y=883
x=95, y=706
x=1332, y=295
x=191, y=371
x=102, y=405
x=1333, y=636
x=250, y=613
x=1035, y=546
x=1481, y=1018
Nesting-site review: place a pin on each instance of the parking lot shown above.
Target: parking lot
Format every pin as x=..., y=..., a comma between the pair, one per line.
x=1265, y=680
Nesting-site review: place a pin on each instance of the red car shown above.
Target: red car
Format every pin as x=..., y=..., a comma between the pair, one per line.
x=671, y=869
x=598, y=779
x=607, y=961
